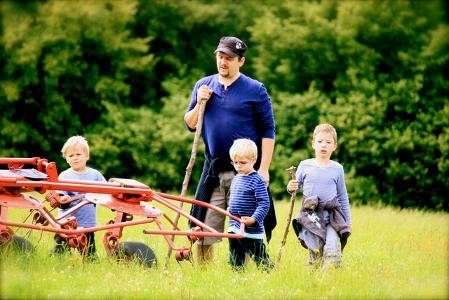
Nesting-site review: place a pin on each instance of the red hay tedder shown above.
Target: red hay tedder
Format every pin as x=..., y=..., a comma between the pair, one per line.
x=127, y=198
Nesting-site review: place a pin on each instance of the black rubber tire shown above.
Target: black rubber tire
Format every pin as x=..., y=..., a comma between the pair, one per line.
x=137, y=251
x=20, y=244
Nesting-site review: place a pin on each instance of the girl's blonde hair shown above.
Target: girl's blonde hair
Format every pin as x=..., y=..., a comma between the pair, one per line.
x=325, y=128
x=75, y=141
x=243, y=148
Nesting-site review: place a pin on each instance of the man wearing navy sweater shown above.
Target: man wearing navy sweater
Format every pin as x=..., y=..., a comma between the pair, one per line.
x=237, y=107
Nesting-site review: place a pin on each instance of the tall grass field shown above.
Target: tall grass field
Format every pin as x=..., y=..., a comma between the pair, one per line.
x=392, y=254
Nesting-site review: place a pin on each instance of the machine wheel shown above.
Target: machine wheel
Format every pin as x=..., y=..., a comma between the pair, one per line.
x=20, y=244
x=137, y=251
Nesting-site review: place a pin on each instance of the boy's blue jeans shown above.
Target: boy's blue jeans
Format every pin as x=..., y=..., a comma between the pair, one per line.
x=89, y=250
x=331, y=250
x=254, y=247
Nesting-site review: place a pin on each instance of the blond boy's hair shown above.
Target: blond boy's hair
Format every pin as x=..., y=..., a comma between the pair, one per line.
x=325, y=128
x=243, y=148
x=75, y=141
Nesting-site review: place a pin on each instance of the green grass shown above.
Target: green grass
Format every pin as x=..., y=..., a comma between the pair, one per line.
x=392, y=254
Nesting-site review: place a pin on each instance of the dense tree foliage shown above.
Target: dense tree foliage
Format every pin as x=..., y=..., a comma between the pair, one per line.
x=121, y=73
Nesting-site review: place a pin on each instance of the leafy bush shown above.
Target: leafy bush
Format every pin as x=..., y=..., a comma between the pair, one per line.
x=121, y=73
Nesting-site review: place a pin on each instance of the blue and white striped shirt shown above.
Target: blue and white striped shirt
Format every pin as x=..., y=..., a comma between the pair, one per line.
x=249, y=197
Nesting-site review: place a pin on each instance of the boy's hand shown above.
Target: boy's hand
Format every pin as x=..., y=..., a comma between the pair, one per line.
x=292, y=185
x=248, y=220
x=65, y=199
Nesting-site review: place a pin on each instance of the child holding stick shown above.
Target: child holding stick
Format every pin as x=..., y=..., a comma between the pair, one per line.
x=324, y=222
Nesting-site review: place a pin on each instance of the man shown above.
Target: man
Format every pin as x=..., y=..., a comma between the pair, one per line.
x=237, y=106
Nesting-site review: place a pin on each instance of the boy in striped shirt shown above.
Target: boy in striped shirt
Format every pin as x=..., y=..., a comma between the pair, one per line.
x=249, y=201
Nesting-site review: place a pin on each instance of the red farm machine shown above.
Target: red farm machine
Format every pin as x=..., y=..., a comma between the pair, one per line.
x=131, y=202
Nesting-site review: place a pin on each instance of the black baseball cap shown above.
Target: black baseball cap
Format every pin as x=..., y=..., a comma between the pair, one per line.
x=231, y=46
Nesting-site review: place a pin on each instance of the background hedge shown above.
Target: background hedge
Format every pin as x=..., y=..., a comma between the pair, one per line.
x=121, y=73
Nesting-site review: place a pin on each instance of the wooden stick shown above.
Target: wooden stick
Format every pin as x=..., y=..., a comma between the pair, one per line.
x=292, y=171
x=185, y=183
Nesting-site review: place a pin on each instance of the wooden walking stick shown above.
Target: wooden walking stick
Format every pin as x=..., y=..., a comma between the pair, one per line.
x=185, y=183
x=292, y=171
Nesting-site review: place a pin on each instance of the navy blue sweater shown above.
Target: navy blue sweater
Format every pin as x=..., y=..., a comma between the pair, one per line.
x=243, y=110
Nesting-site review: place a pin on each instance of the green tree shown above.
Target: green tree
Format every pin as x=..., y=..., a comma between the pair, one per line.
x=153, y=147
x=60, y=61
x=121, y=74
x=382, y=67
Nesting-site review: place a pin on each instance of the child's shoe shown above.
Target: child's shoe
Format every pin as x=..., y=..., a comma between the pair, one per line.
x=314, y=256
x=331, y=261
